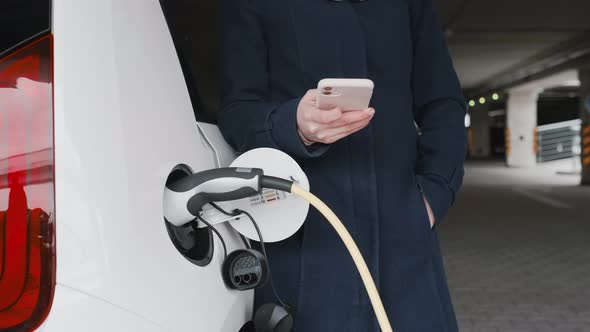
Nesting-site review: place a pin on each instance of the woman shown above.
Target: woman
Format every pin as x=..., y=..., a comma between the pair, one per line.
x=371, y=166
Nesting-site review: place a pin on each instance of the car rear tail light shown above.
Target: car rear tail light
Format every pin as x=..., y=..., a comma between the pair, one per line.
x=27, y=192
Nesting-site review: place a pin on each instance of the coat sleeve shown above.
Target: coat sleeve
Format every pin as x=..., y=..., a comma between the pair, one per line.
x=439, y=111
x=248, y=119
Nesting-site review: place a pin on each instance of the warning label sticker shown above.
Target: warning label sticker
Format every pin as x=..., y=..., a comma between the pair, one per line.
x=268, y=196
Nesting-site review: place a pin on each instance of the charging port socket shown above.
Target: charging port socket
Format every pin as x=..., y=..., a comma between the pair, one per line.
x=195, y=244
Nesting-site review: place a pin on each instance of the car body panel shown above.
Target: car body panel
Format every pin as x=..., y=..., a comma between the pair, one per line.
x=75, y=311
x=123, y=120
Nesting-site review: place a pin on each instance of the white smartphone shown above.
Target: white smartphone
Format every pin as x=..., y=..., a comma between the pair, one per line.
x=349, y=94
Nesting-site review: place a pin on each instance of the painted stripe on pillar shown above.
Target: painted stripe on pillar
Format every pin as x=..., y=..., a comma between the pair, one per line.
x=535, y=141
x=507, y=135
x=586, y=146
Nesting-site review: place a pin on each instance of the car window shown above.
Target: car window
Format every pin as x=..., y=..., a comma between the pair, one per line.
x=195, y=29
x=21, y=20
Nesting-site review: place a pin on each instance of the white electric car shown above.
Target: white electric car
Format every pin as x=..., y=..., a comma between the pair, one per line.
x=97, y=110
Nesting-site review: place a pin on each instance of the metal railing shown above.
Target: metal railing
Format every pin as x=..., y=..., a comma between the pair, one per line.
x=558, y=141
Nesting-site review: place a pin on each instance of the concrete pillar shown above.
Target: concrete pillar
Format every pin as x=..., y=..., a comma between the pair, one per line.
x=584, y=75
x=521, y=117
x=480, y=132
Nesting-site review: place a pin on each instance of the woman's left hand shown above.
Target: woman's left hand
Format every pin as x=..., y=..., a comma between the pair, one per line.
x=430, y=213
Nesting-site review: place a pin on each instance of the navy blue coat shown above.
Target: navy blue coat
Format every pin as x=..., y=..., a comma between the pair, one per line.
x=274, y=51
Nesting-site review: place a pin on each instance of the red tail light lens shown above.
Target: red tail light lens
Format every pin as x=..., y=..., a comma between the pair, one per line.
x=27, y=246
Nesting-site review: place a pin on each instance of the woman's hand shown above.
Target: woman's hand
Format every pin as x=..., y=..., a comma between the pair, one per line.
x=429, y=210
x=328, y=126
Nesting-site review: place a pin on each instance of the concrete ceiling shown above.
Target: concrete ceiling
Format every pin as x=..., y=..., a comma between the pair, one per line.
x=488, y=38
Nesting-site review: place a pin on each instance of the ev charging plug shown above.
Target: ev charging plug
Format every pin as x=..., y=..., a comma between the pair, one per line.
x=184, y=199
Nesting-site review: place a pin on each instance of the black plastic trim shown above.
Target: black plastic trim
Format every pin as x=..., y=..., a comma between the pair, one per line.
x=190, y=80
x=40, y=34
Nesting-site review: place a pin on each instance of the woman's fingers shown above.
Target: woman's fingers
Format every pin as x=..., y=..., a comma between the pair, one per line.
x=310, y=96
x=336, y=138
x=328, y=126
x=352, y=117
x=325, y=117
x=331, y=135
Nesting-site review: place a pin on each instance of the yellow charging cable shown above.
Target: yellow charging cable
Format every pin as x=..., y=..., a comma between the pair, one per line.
x=354, y=251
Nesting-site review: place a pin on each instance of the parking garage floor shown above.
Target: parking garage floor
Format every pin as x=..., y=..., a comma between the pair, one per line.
x=517, y=250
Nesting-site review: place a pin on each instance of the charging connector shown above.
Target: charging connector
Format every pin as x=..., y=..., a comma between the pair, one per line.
x=245, y=269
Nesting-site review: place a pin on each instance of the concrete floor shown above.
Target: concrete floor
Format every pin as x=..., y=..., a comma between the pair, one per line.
x=517, y=250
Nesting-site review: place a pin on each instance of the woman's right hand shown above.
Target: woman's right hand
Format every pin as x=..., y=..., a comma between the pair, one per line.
x=328, y=126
